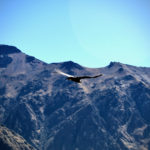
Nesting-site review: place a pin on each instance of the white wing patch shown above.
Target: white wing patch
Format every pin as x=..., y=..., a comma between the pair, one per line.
x=62, y=73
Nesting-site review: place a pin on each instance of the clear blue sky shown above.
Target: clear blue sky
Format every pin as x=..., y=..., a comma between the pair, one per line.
x=89, y=32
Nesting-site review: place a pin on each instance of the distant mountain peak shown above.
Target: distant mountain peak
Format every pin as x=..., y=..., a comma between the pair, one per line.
x=112, y=64
x=52, y=113
x=6, y=49
x=70, y=65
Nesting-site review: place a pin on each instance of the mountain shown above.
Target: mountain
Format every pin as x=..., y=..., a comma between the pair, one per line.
x=9, y=140
x=106, y=113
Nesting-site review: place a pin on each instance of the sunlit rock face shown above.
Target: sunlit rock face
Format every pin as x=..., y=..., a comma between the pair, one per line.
x=106, y=113
x=9, y=140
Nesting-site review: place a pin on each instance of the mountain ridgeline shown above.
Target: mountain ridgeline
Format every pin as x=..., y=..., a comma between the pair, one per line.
x=9, y=140
x=111, y=112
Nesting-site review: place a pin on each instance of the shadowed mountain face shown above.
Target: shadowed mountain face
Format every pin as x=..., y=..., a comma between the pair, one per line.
x=106, y=113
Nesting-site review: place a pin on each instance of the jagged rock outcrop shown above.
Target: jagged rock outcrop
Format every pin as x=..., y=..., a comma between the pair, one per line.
x=9, y=140
x=52, y=113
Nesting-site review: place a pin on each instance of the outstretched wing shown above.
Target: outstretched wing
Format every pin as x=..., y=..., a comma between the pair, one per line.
x=86, y=77
x=64, y=74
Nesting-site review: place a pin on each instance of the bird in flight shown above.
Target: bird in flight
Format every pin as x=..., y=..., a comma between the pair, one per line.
x=77, y=78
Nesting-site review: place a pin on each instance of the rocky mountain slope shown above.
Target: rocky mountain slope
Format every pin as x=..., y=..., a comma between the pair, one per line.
x=106, y=113
x=9, y=140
